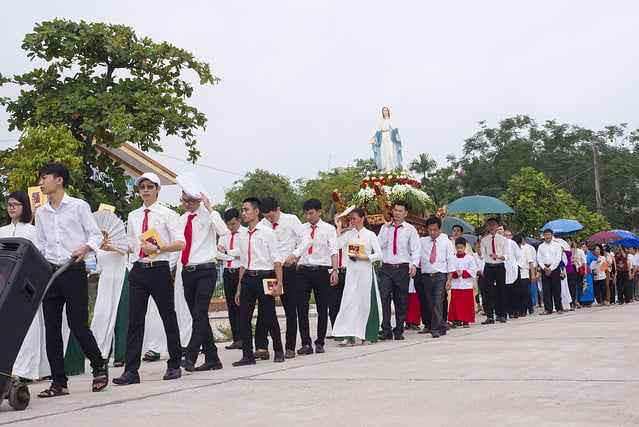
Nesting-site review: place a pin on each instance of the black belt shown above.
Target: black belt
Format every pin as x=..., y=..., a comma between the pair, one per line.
x=433, y=274
x=75, y=266
x=495, y=264
x=151, y=264
x=231, y=270
x=314, y=267
x=255, y=273
x=395, y=266
x=342, y=269
x=196, y=267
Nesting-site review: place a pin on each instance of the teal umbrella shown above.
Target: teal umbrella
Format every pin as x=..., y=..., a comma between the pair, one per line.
x=479, y=204
x=450, y=221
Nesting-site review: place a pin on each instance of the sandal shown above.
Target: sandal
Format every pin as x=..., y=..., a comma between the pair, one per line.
x=118, y=364
x=151, y=356
x=100, y=378
x=544, y=313
x=346, y=341
x=54, y=391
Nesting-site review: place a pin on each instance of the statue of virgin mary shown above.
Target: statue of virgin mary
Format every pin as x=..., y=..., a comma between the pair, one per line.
x=387, y=146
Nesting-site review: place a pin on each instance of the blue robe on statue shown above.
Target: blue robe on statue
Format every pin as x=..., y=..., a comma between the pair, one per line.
x=382, y=157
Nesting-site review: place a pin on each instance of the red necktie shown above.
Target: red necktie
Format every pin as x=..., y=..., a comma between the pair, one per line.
x=313, y=227
x=188, y=235
x=433, y=253
x=397, y=227
x=250, y=234
x=228, y=263
x=275, y=224
x=494, y=250
x=145, y=228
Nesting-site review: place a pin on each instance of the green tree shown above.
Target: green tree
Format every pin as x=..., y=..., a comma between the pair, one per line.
x=423, y=164
x=443, y=186
x=108, y=86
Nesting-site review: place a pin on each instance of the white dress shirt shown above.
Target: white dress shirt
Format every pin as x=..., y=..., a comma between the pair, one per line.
x=533, y=254
x=164, y=220
x=444, y=255
x=512, y=262
x=408, y=245
x=524, y=262
x=288, y=231
x=205, y=227
x=234, y=251
x=324, y=245
x=502, y=248
x=549, y=255
x=21, y=229
x=263, y=248
x=67, y=229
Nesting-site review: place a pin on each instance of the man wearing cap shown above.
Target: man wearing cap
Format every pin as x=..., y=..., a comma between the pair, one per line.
x=151, y=276
x=201, y=224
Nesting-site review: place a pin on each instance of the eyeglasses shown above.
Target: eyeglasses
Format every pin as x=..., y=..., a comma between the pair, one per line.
x=147, y=187
x=14, y=205
x=188, y=201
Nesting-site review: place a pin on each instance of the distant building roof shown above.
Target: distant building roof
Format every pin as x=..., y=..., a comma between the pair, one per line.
x=135, y=162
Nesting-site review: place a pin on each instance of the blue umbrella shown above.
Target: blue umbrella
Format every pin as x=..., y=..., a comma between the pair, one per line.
x=627, y=238
x=479, y=204
x=450, y=221
x=563, y=227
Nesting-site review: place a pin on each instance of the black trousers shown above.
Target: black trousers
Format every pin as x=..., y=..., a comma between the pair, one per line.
x=289, y=302
x=421, y=295
x=526, y=297
x=317, y=281
x=198, y=289
x=573, y=283
x=514, y=297
x=252, y=291
x=624, y=287
x=436, y=297
x=157, y=283
x=70, y=288
x=495, y=290
x=393, y=284
x=552, y=289
x=335, y=296
x=231, y=281
x=600, y=290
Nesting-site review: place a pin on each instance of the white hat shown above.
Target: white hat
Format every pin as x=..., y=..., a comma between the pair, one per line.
x=150, y=176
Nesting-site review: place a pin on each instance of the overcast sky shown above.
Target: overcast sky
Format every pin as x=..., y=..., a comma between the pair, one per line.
x=303, y=82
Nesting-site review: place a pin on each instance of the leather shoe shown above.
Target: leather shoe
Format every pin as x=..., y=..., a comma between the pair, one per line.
x=319, y=348
x=305, y=349
x=261, y=354
x=172, y=374
x=245, y=361
x=279, y=357
x=289, y=354
x=399, y=337
x=488, y=321
x=385, y=335
x=435, y=334
x=212, y=365
x=187, y=365
x=502, y=319
x=127, y=378
x=424, y=331
x=235, y=345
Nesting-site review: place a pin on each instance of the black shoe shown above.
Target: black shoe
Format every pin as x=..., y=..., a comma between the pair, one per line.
x=515, y=316
x=235, y=345
x=305, y=349
x=523, y=314
x=385, y=335
x=172, y=374
x=245, y=361
x=127, y=378
x=442, y=331
x=435, y=334
x=488, y=321
x=330, y=337
x=279, y=356
x=319, y=348
x=187, y=365
x=212, y=365
x=531, y=310
x=502, y=319
x=399, y=337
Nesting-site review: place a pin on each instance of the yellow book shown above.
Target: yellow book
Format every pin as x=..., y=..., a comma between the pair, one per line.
x=152, y=237
x=37, y=197
x=355, y=249
x=269, y=284
x=105, y=207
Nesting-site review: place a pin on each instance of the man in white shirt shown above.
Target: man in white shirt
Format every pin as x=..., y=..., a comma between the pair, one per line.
x=437, y=259
x=513, y=285
x=201, y=225
x=400, y=256
x=229, y=254
x=65, y=229
x=526, y=274
x=151, y=276
x=288, y=229
x=315, y=255
x=259, y=257
x=495, y=250
x=549, y=259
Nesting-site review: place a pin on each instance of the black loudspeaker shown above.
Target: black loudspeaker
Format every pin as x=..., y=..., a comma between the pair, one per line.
x=24, y=275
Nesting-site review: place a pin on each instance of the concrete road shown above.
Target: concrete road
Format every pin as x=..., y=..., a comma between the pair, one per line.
x=576, y=369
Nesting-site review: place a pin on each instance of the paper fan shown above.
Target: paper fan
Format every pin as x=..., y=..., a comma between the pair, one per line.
x=115, y=238
x=347, y=211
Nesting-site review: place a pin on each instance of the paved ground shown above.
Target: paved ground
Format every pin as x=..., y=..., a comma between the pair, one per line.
x=575, y=369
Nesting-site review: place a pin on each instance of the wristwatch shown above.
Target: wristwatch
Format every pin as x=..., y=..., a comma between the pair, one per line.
x=157, y=251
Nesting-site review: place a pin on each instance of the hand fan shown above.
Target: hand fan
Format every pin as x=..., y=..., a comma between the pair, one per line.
x=115, y=238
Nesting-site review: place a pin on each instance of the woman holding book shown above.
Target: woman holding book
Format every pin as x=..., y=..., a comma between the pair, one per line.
x=359, y=315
